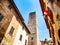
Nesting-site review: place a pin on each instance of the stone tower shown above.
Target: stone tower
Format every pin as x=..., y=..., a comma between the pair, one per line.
x=32, y=22
x=33, y=28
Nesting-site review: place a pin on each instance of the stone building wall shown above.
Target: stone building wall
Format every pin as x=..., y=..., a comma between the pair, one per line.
x=11, y=24
x=14, y=38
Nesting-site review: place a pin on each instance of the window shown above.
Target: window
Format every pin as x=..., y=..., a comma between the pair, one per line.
x=31, y=17
x=11, y=30
x=0, y=3
x=25, y=42
x=32, y=39
x=22, y=28
x=10, y=7
x=16, y=17
x=1, y=16
x=20, y=38
x=58, y=17
x=58, y=1
x=59, y=33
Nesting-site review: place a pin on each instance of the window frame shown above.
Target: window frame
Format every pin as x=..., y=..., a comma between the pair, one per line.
x=11, y=30
x=20, y=37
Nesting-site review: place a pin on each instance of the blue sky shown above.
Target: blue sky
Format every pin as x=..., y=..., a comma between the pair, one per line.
x=27, y=6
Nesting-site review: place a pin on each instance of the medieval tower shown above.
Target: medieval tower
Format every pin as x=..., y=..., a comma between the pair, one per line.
x=33, y=28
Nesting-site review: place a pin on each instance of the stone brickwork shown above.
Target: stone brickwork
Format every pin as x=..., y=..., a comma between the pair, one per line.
x=56, y=8
x=14, y=39
x=32, y=23
x=12, y=25
x=7, y=16
x=33, y=28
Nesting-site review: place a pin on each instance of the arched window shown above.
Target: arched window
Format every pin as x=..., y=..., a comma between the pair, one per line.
x=59, y=33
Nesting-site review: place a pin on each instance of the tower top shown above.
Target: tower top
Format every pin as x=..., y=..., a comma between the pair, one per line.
x=32, y=13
